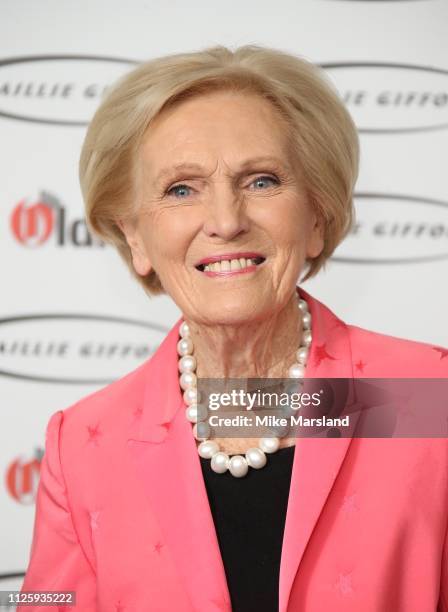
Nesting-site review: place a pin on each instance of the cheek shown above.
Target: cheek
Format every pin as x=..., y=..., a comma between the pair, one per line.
x=169, y=234
x=289, y=221
x=300, y=222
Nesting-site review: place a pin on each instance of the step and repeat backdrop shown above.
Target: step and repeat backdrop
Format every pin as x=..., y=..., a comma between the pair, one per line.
x=71, y=317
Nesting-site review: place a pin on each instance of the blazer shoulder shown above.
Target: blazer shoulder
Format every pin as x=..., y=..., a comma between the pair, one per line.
x=383, y=355
x=107, y=403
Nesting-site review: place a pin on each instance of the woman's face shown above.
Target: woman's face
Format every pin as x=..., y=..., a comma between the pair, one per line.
x=216, y=179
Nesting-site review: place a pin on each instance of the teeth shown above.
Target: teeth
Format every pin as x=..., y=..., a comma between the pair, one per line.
x=226, y=265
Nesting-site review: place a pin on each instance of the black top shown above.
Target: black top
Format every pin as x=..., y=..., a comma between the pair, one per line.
x=249, y=515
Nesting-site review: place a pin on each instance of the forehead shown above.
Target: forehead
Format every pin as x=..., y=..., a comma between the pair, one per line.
x=222, y=123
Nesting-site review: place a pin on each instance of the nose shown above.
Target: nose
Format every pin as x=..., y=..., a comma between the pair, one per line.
x=226, y=215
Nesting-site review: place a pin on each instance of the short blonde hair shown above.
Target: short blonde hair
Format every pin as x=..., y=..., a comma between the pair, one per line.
x=322, y=133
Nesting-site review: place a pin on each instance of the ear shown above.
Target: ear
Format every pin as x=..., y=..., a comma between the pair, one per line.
x=316, y=239
x=140, y=259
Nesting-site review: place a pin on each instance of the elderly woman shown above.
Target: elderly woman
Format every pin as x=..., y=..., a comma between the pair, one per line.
x=223, y=177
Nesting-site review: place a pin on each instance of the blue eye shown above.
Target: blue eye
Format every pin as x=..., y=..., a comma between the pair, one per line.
x=263, y=179
x=182, y=187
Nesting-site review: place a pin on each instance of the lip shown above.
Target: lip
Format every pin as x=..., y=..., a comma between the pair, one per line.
x=214, y=258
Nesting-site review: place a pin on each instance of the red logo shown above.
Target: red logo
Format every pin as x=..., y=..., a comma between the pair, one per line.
x=22, y=478
x=32, y=224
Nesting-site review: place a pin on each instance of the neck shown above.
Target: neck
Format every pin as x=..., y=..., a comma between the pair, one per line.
x=258, y=349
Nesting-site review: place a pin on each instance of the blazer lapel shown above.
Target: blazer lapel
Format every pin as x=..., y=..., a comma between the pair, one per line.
x=165, y=455
x=317, y=461
x=167, y=461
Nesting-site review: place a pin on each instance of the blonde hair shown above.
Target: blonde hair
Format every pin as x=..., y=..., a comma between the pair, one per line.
x=322, y=133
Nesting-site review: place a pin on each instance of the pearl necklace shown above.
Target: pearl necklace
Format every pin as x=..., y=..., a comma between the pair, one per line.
x=254, y=457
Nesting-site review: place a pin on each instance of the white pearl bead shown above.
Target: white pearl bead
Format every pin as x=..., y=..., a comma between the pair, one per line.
x=185, y=346
x=238, y=466
x=303, y=305
x=207, y=449
x=302, y=354
x=306, y=320
x=280, y=430
x=297, y=370
x=191, y=395
x=255, y=457
x=188, y=379
x=187, y=363
x=269, y=445
x=184, y=330
x=306, y=337
x=196, y=413
x=219, y=462
x=201, y=430
x=192, y=413
x=295, y=386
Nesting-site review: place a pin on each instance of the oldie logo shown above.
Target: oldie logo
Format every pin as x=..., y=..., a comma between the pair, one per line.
x=75, y=348
x=57, y=89
x=392, y=98
x=22, y=477
x=394, y=229
x=34, y=221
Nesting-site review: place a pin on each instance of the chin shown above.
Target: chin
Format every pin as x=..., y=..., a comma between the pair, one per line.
x=237, y=315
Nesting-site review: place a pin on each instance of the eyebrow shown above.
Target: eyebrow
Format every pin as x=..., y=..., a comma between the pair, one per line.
x=195, y=167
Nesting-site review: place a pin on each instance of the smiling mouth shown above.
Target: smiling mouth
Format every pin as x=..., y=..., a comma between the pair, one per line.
x=233, y=265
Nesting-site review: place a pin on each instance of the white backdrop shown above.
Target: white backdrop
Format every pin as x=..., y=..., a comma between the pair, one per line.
x=71, y=317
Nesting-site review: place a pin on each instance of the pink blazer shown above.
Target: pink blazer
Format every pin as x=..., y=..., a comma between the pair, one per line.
x=123, y=519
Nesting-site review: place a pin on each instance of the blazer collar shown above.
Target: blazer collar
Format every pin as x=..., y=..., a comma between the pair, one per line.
x=164, y=450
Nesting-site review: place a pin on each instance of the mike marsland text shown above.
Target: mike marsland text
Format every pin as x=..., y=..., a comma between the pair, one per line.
x=274, y=421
